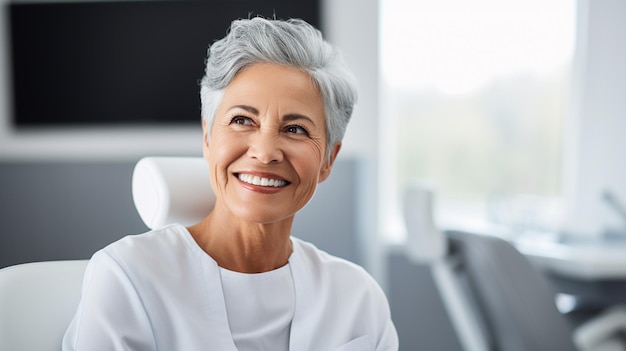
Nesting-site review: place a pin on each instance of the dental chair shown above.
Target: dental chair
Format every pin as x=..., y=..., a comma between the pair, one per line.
x=38, y=300
x=495, y=298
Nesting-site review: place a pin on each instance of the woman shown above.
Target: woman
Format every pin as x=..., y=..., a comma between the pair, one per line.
x=275, y=104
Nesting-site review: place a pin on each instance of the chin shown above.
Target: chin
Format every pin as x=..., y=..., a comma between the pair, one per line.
x=261, y=216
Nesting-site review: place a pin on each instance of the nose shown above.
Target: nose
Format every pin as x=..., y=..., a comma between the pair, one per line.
x=266, y=147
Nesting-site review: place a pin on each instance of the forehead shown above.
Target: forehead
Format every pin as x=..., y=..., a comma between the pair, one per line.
x=270, y=83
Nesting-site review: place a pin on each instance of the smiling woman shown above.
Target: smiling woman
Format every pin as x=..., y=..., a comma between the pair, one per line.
x=276, y=100
x=272, y=129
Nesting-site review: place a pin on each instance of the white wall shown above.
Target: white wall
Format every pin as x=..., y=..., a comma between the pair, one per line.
x=352, y=25
x=600, y=143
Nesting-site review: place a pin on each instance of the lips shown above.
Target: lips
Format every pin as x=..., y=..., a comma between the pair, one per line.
x=262, y=181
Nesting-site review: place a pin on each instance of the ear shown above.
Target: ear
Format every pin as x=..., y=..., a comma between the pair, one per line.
x=205, y=140
x=328, y=164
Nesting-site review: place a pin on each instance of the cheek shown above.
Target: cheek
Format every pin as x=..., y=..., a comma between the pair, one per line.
x=308, y=162
x=222, y=151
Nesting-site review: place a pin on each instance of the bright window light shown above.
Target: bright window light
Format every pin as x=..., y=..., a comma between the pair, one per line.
x=475, y=97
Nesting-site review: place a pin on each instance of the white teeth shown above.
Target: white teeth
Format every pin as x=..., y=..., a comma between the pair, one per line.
x=256, y=180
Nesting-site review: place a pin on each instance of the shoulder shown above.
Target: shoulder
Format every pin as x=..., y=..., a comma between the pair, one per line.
x=154, y=255
x=324, y=268
x=169, y=236
x=345, y=298
x=133, y=286
x=163, y=268
x=158, y=244
x=313, y=255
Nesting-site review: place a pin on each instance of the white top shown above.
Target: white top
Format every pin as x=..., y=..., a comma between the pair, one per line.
x=161, y=291
x=259, y=308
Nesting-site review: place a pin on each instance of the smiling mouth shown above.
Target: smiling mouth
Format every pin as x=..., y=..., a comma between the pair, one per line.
x=261, y=181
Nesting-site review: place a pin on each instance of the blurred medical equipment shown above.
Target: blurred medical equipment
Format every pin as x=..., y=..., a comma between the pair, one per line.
x=495, y=298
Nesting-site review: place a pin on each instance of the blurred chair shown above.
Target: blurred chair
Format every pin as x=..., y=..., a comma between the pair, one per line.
x=495, y=298
x=37, y=303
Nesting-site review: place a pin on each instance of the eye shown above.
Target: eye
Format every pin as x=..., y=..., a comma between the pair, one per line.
x=241, y=120
x=296, y=129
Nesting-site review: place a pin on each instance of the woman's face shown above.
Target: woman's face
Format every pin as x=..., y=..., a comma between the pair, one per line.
x=267, y=146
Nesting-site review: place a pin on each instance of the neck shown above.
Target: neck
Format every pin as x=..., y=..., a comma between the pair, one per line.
x=242, y=246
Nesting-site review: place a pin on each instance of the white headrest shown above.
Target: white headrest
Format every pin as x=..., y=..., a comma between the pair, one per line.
x=172, y=190
x=425, y=242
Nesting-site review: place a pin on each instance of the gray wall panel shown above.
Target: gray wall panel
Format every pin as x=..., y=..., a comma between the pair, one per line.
x=68, y=210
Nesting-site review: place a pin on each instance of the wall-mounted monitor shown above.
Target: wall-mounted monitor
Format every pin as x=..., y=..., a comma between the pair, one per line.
x=110, y=63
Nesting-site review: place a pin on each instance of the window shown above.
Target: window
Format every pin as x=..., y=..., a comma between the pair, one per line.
x=475, y=97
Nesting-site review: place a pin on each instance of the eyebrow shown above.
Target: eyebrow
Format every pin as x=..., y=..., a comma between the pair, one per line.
x=287, y=118
x=296, y=116
x=247, y=108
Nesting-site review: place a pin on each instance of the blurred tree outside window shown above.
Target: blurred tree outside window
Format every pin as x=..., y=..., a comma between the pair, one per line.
x=475, y=100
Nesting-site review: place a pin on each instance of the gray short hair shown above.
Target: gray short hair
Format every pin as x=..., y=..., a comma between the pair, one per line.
x=292, y=43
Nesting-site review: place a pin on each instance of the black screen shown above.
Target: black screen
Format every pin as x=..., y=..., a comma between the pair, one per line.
x=121, y=62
